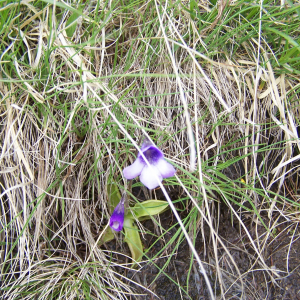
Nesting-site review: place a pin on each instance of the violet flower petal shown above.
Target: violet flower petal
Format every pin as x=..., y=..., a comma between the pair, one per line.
x=117, y=218
x=146, y=145
x=148, y=177
x=158, y=166
x=166, y=169
x=152, y=153
x=135, y=169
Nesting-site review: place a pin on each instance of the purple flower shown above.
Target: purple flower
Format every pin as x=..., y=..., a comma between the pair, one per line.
x=117, y=218
x=158, y=166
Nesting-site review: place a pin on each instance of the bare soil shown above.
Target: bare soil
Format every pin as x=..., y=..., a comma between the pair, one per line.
x=280, y=251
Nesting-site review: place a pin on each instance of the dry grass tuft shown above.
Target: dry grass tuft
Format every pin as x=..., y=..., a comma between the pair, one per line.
x=69, y=104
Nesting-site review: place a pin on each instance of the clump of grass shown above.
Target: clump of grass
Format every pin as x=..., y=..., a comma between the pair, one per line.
x=214, y=85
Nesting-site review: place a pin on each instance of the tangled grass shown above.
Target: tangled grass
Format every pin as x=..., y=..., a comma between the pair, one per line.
x=214, y=85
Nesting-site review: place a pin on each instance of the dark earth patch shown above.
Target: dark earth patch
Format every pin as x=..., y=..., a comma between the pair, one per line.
x=280, y=252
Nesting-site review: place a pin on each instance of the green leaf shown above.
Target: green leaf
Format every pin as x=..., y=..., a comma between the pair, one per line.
x=213, y=2
x=107, y=236
x=70, y=8
x=114, y=196
x=148, y=208
x=71, y=24
x=132, y=238
x=285, y=36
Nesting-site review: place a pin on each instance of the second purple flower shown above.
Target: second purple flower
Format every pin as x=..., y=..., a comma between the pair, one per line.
x=158, y=166
x=117, y=218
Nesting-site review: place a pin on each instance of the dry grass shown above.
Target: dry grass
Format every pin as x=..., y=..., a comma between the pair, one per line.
x=73, y=105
